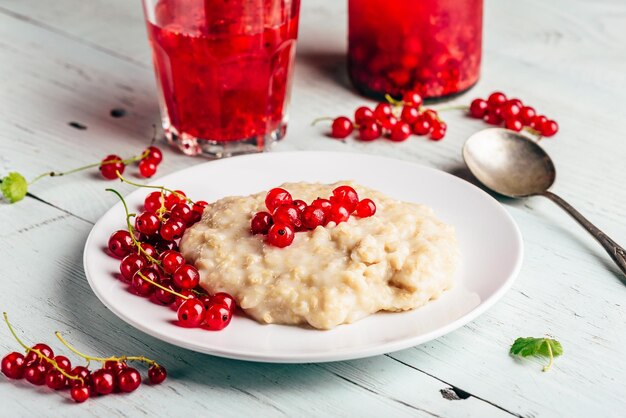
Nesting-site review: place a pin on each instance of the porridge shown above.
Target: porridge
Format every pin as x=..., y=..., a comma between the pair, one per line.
x=396, y=260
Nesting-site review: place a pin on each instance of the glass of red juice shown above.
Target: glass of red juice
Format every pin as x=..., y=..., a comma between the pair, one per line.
x=430, y=46
x=223, y=70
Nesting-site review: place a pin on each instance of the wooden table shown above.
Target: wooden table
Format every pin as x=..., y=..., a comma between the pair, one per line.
x=69, y=62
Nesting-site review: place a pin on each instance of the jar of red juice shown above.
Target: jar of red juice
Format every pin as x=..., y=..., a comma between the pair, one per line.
x=429, y=46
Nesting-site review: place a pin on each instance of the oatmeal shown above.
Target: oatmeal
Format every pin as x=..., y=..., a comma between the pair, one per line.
x=396, y=260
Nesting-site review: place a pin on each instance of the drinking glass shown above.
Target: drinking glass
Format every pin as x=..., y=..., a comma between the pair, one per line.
x=223, y=70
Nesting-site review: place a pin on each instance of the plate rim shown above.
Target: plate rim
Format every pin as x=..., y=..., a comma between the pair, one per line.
x=333, y=355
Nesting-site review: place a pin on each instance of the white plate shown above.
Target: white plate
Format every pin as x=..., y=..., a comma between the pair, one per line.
x=490, y=241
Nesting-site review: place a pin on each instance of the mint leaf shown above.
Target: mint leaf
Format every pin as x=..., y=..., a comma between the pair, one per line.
x=541, y=347
x=14, y=187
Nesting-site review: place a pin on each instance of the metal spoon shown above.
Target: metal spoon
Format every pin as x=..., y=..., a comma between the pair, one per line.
x=513, y=165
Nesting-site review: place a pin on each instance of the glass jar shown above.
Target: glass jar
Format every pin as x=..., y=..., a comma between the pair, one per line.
x=429, y=46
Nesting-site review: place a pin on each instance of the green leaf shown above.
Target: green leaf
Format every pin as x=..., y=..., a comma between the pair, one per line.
x=14, y=187
x=542, y=347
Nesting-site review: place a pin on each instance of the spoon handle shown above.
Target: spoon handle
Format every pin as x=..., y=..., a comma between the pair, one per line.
x=617, y=253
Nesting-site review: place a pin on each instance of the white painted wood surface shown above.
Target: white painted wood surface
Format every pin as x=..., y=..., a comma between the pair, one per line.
x=70, y=60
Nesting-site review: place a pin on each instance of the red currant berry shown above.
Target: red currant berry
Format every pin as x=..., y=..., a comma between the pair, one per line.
x=439, y=131
x=217, y=317
x=277, y=197
x=13, y=365
x=141, y=286
x=206, y=300
x=341, y=128
x=110, y=165
x=147, y=249
x=313, y=216
x=80, y=393
x=280, y=235
x=549, y=128
x=365, y=208
x=516, y=102
x=345, y=196
x=362, y=114
x=191, y=313
x=527, y=114
x=287, y=214
x=300, y=205
x=165, y=297
x=513, y=124
x=225, y=299
x=389, y=123
x=55, y=380
x=409, y=114
x=120, y=243
x=130, y=265
x=186, y=277
x=128, y=380
x=199, y=206
x=261, y=223
x=412, y=98
x=147, y=168
x=422, y=126
x=114, y=366
x=147, y=223
x=509, y=110
x=189, y=294
x=154, y=154
x=156, y=374
x=492, y=118
x=400, y=132
x=383, y=112
x=35, y=373
x=171, y=261
x=63, y=363
x=369, y=130
x=153, y=201
x=338, y=214
x=478, y=108
x=102, y=381
x=430, y=115
x=172, y=230
x=537, y=122
x=83, y=373
x=33, y=357
x=323, y=204
x=496, y=99
x=181, y=211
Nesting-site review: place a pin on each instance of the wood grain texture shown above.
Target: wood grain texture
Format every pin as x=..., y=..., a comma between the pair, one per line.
x=69, y=61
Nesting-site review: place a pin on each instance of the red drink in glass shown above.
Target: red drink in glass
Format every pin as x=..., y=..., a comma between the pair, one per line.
x=223, y=70
x=431, y=46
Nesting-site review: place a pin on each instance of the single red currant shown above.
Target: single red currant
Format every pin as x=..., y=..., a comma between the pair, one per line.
x=80, y=393
x=225, y=299
x=33, y=357
x=549, y=128
x=141, y=286
x=114, y=366
x=163, y=296
x=300, y=205
x=287, y=214
x=130, y=265
x=527, y=114
x=13, y=365
x=188, y=293
x=422, y=126
x=217, y=317
x=277, y=197
x=153, y=201
x=345, y=196
x=156, y=374
x=439, y=131
x=496, y=99
x=110, y=165
x=492, y=118
x=199, y=206
x=102, y=381
x=430, y=115
x=538, y=122
x=147, y=250
x=369, y=130
x=516, y=102
x=513, y=124
x=280, y=235
x=191, y=313
x=365, y=208
x=338, y=214
x=171, y=261
x=206, y=300
x=120, y=243
x=313, y=216
x=35, y=373
x=323, y=204
x=510, y=110
x=261, y=223
x=63, y=363
x=128, y=380
x=147, y=168
x=147, y=223
x=382, y=111
x=83, y=373
x=341, y=127
x=412, y=98
x=55, y=380
x=478, y=108
x=173, y=198
x=362, y=114
x=400, y=132
x=172, y=230
x=410, y=114
x=154, y=154
x=186, y=277
x=389, y=123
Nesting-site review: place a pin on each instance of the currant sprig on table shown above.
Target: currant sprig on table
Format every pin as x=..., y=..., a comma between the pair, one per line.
x=14, y=185
x=153, y=267
x=40, y=366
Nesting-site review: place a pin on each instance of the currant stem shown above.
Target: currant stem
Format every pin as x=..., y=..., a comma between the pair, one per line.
x=546, y=368
x=132, y=183
x=104, y=359
x=131, y=230
x=162, y=287
x=38, y=352
x=393, y=101
x=321, y=119
x=85, y=167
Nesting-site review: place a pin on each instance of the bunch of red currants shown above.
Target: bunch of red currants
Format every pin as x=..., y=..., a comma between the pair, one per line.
x=149, y=160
